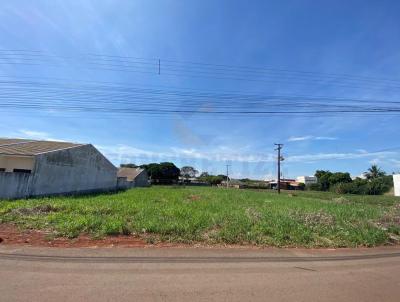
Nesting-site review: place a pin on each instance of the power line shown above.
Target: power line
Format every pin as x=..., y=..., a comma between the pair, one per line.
x=31, y=101
x=192, y=69
x=201, y=64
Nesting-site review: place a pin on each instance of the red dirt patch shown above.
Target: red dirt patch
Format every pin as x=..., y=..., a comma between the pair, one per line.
x=10, y=234
x=194, y=197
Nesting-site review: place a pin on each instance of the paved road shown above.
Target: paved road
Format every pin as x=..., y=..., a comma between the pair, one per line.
x=40, y=274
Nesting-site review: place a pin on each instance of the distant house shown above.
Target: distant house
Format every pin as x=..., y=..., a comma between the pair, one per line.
x=37, y=168
x=307, y=180
x=132, y=177
x=233, y=183
x=286, y=184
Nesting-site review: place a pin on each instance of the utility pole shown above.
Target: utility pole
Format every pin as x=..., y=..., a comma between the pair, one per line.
x=159, y=66
x=227, y=176
x=280, y=158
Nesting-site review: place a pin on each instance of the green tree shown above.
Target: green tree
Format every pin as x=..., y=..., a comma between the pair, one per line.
x=215, y=180
x=204, y=175
x=339, y=177
x=374, y=172
x=377, y=186
x=165, y=172
x=327, y=179
x=323, y=179
x=211, y=179
x=188, y=172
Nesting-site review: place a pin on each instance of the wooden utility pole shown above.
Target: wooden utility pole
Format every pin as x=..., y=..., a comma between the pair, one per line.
x=279, y=147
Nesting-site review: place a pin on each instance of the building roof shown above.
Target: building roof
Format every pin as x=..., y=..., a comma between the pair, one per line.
x=129, y=173
x=28, y=147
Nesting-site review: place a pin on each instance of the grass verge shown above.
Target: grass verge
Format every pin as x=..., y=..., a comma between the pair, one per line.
x=216, y=216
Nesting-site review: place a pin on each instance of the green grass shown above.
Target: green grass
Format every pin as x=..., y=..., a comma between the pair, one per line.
x=215, y=215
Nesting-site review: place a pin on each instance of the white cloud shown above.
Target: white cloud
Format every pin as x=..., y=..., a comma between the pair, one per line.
x=395, y=162
x=122, y=153
x=32, y=134
x=310, y=137
x=335, y=156
x=299, y=138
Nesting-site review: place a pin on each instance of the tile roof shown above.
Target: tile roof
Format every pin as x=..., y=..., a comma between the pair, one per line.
x=129, y=173
x=27, y=147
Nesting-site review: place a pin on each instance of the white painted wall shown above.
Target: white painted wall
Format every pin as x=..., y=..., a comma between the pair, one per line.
x=396, y=181
x=307, y=180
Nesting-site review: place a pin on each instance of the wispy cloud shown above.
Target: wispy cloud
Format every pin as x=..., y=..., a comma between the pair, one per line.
x=33, y=134
x=123, y=153
x=336, y=156
x=395, y=162
x=299, y=138
x=310, y=137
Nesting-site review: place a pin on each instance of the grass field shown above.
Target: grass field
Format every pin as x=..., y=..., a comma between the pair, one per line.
x=215, y=215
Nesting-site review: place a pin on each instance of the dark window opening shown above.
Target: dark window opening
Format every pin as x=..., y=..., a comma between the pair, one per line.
x=22, y=171
x=2, y=169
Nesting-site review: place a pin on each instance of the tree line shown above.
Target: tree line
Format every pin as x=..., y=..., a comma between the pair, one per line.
x=376, y=182
x=159, y=173
x=168, y=173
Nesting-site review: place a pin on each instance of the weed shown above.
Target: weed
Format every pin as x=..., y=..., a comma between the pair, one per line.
x=212, y=215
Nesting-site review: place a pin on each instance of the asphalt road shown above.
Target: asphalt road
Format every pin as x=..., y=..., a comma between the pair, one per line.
x=50, y=274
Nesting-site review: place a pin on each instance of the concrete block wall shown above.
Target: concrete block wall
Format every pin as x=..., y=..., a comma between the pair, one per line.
x=74, y=170
x=14, y=185
x=81, y=169
x=124, y=184
x=142, y=180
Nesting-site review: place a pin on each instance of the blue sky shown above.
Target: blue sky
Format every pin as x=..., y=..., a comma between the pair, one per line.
x=357, y=38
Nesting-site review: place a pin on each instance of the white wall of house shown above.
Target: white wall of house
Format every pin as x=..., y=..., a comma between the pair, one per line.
x=307, y=180
x=396, y=181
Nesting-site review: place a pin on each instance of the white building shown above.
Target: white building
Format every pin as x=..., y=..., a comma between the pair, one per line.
x=396, y=182
x=307, y=180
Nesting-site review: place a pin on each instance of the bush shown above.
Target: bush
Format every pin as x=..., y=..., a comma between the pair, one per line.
x=211, y=179
x=350, y=188
x=377, y=186
x=314, y=187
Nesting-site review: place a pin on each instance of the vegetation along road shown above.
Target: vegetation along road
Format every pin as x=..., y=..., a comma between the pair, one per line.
x=209, y=215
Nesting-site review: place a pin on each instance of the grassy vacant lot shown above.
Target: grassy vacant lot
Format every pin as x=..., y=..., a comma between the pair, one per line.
x=215, y=215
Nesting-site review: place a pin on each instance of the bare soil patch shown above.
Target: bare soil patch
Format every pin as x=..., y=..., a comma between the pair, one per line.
x=11, y=234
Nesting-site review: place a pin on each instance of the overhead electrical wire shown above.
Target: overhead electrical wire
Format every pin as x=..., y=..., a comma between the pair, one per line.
x=114, y=98
x=230, y=68
x=202, y=70
x=34, y=95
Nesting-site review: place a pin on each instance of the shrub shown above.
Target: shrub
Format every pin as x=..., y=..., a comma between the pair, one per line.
x=314, y=187
x=350, y=188
x=377, y=186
